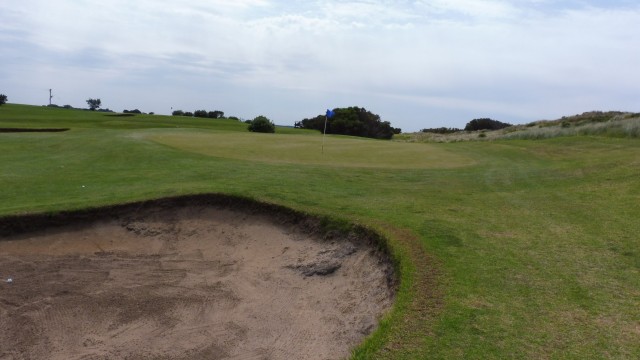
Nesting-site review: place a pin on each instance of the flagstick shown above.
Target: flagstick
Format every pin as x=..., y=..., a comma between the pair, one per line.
x=324, y=132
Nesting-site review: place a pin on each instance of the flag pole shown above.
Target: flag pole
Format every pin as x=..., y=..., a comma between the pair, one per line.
x=324, y=132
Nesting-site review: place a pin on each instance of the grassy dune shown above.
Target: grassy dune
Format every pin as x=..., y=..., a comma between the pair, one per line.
x=508, y=249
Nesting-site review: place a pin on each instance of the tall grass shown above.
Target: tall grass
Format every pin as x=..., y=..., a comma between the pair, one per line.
x=623, y=125
x=623, y=128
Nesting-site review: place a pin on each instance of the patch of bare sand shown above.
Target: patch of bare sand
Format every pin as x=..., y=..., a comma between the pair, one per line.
x=187, y=283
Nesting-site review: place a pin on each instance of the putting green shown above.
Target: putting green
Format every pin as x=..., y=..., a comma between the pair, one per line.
x=341, y=151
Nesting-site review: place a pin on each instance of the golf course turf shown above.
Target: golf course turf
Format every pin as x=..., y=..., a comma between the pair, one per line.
x=504, y=249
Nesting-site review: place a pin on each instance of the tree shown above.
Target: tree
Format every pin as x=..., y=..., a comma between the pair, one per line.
x=3, y=99
x=485, y=124
x=216, y=114
x=94, y=104
x=177, y=113
x=262, y=124
x=200, y=113
x=353, y=121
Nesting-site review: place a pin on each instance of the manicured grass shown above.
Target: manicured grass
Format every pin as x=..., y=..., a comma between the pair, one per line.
x=333, y=151
x=508, y=249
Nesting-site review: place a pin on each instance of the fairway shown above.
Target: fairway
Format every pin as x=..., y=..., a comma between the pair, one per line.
x=518, y=249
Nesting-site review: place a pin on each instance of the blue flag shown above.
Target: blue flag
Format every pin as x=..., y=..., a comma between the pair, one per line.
x=330, y=114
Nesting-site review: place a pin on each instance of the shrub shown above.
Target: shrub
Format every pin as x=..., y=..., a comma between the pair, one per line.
x=441, y=130
x=177, y=113
x=3, y=99
x=485, y=124
x=262, y=124
x=354, y=121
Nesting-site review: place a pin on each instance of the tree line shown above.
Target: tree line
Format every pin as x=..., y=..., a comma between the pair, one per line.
x=216, y=114
x=473, y=125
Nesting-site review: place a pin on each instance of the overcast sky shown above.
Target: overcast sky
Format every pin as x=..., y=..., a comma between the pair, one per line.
x=417, y=64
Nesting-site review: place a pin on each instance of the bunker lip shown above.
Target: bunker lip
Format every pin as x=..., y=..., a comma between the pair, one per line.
x=202, y=276
x=17, y=130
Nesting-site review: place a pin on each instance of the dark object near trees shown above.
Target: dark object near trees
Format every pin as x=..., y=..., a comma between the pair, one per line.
x=262, y=124
x=94, y=104
x=353, y=121
x=3, y=99
x=485, y=124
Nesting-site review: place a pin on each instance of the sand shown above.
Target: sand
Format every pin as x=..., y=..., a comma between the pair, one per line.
x=187, y=282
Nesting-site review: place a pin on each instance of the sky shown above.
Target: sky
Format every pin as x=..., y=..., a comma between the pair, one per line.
x=418, y=64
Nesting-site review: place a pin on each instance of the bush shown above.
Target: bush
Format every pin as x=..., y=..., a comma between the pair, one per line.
x=485, y=124
x=188, y=114
x=3, y=99
x=135, y=111
x=441, y=130
x=354, y=121
x=262, y=124
x=177, y=113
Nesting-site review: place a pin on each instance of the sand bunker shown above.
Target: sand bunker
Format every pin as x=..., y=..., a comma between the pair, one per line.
x=188, y=282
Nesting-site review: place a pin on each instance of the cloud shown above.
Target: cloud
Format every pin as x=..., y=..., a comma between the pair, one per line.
x=521, y=59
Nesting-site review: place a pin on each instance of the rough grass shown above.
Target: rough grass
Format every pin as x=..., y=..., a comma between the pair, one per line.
x=523, y=249
x=610, y=124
